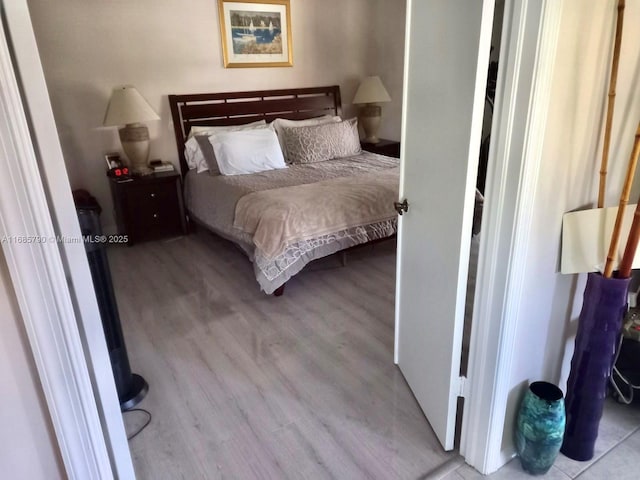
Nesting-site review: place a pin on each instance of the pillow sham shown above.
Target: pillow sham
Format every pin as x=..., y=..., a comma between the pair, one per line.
x=198, y=151
x=247, y=151
x=210, y=129
x=322, y=142
x=279, y=124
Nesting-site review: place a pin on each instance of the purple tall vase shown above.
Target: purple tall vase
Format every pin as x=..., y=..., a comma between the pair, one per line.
x=604, y=306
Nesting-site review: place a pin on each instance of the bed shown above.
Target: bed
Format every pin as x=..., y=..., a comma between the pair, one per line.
x=284, y=218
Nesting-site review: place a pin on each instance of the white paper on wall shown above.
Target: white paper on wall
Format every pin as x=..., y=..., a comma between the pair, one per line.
x=586, y=236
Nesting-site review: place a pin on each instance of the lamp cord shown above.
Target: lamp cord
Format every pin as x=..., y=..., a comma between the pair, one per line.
x=632, y=387
x=148, y=421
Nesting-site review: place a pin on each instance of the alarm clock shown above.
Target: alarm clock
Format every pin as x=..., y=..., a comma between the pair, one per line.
x=115, y=167
x=119, y=173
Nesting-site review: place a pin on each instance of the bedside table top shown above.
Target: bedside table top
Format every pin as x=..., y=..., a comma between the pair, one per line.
x=390, y=148
x=153, y=177
x=381, y=144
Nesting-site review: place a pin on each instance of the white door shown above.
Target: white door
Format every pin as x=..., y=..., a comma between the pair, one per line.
x=446, y=60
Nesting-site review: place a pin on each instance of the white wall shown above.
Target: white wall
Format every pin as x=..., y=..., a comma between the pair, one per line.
x=568, y=180
x=165, y=47
x=28, y=448
x=386, y=59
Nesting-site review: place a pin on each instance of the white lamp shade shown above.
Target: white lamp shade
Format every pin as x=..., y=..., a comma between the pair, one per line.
x=127, y=106
x=371, y=90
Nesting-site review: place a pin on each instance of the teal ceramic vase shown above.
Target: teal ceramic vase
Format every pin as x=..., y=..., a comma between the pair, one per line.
x=540, y=427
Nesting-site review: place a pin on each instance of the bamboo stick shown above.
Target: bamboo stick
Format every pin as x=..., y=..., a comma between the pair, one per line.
x=624, y=199
x=610, y=104
x=624, y=270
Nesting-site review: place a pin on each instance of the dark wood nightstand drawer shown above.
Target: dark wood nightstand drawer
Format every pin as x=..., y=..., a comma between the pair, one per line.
x=150, y=207
x=390, y=148
x=154, y=204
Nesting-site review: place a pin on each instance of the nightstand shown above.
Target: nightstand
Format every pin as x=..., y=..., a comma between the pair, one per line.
x=390, y=148
x=149, y=207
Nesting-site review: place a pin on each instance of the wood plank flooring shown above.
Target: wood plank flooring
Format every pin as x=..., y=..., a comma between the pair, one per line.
x=244, y=385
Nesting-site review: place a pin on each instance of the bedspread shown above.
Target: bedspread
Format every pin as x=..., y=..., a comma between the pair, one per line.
x=279, y=217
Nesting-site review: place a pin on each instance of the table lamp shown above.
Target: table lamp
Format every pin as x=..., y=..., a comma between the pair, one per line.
x=369, y=94
x=127, y=107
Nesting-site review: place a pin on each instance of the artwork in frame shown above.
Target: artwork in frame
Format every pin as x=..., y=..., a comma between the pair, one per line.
x=256, y=33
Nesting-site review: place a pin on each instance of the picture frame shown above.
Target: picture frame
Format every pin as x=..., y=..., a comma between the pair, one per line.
x=113, y=160
x=256, y=33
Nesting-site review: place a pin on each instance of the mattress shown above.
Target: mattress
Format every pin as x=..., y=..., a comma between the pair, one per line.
x=211, y=201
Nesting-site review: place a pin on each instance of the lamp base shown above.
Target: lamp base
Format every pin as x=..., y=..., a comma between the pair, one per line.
x=135, y=143
x=369, y=118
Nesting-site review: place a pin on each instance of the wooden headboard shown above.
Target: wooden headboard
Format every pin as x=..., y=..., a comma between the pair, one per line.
x=235, y=108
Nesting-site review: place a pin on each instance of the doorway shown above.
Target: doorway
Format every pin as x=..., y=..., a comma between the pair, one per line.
x=477, y=416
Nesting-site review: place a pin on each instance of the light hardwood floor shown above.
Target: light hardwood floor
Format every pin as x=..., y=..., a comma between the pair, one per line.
x=244, y=385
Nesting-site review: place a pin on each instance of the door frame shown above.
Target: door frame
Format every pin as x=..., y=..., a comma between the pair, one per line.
x=529, y=41
x=69, y=345
x=38, y=278
x=89, y=449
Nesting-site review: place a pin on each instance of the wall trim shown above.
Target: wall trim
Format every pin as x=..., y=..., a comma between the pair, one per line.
x=529, y=42
x=39, y=281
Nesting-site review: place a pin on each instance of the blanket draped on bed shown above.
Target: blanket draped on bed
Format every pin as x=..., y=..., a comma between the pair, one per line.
x=279, y=217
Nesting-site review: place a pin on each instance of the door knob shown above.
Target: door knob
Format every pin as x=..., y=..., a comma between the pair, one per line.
x=401, y=207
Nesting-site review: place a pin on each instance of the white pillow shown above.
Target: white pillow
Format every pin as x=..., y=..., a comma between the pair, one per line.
x=247, y=151
x=202, y=160
x=279, y=124
x=208, y=130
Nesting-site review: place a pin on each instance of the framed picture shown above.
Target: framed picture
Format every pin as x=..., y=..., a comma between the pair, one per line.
x=113, y=160
x=256, y=33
